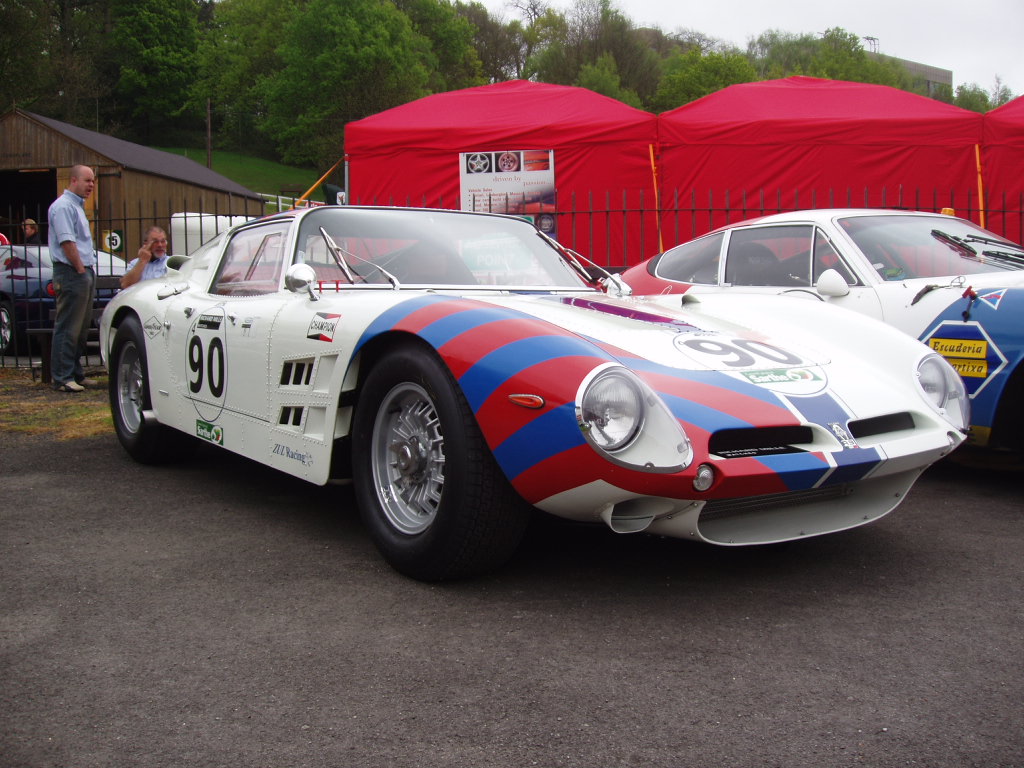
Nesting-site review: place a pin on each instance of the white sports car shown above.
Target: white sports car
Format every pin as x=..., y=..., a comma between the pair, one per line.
x=462, y=369
x=957, y=287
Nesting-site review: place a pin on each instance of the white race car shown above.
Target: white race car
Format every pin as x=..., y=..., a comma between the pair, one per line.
x=462, y=369
x=957, y=287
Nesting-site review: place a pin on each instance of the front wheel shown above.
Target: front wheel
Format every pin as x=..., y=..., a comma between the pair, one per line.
x=430, y=493
x=145, y=440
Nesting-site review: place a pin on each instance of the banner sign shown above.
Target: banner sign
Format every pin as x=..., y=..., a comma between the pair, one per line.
x=518, y=182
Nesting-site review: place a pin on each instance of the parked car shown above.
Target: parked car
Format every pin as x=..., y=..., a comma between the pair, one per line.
x=957, y=287
x=27, y=298
x=460, y=369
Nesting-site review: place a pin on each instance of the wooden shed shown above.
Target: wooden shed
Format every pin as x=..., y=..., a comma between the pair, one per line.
x=136, y=186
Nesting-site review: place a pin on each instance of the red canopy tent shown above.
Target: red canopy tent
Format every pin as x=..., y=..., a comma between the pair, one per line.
x=603, y=158
x=803, y=142
x=1003, y=168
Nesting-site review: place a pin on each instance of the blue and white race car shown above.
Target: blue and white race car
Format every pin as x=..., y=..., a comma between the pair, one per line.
x=461, y=369
x=955, y=286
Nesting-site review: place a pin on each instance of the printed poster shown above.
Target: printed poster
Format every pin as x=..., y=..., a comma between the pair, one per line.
x=519, y=182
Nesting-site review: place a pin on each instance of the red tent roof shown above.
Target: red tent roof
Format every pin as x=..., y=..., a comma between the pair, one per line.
x=517, y=113
x=804, y=110
x=1005, y=124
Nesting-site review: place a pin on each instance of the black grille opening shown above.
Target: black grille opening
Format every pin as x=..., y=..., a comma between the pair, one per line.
x=880, y=425
x=758, y=441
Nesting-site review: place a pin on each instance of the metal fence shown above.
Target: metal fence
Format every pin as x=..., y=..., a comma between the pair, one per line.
x=614, y=230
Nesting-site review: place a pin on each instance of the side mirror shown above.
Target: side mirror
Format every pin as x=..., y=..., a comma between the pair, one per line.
x=300, y=278
x=832, y=284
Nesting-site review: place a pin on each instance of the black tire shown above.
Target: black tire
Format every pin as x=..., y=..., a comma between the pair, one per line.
x=146, y=441
x=8, y=327
x=430, y=493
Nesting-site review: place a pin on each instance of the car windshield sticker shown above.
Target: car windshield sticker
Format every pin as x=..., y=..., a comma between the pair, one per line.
x=322, y=326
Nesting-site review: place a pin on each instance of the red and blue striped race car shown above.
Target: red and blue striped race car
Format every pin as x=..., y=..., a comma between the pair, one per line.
x=462, y=370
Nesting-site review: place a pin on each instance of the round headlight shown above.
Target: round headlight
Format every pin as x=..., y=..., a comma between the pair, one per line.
x=612, y=411
x=945, y=389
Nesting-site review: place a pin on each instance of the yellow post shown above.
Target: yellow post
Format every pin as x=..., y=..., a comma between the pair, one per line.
x=981, y=186
x=657, y=198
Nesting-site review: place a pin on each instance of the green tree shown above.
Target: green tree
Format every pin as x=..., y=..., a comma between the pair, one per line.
x=150, y=53
x=592, y=29
x=341, y=62
x=24, y=74
x=973, y=97
x=454, y=62
x=692, y=75
x=237, y=52
x=498, y=44
x=603, y=77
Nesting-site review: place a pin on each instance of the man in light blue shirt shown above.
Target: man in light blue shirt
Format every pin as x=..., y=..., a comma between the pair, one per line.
x=74, y=280
x=151, y=261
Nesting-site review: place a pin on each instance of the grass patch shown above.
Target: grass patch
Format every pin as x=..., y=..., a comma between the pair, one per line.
x=33, y=408
x=254, y=173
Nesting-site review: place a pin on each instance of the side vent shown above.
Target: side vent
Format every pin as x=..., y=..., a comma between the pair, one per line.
x=759, y=441
x=291, y=415
x=297, y=373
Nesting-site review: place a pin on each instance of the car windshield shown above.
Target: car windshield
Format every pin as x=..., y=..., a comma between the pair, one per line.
x=902, y=247
x=427, y=247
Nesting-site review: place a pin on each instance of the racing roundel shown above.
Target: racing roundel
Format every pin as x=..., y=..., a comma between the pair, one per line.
x=969, y=350
x=206, y=363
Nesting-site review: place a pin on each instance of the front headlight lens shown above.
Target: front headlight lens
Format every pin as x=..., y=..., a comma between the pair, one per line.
x=612, y=411
x=945, y=389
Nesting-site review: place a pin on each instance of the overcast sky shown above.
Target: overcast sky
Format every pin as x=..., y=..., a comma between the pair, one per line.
x=976, y=40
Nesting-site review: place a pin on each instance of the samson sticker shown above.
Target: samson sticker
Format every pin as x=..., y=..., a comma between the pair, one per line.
x=322, y=326
x=212, y=433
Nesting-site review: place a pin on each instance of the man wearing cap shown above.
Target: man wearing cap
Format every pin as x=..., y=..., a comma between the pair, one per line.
x=74, y=280
x=31, y=230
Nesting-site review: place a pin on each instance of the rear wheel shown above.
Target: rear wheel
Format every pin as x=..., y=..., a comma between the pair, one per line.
x=8, y=328
x=145, y=440
x=430, y=493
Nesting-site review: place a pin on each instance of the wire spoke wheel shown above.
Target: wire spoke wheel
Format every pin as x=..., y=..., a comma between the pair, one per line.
x=429, y=490
x=408, y=458
x=130, y=384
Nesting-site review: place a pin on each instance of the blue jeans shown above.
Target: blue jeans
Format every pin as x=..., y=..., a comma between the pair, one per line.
x=75, y=294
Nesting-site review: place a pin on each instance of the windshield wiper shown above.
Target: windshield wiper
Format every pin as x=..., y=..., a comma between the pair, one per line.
x=957, y=243
x=607, y=278
x=993, y=241
x=341, y=256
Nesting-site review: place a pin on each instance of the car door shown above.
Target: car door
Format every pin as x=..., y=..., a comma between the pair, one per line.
x=790, y=259
x=218, y=340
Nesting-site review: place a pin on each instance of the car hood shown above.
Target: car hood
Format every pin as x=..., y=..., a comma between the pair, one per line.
x=697, y=335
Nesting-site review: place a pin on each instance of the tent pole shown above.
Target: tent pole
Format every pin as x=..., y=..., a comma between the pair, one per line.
x=981, y=187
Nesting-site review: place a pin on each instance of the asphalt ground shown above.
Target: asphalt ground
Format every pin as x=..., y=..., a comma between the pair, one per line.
x=217, y=613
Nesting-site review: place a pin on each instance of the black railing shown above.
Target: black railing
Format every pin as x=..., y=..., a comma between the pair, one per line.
x=615, y=230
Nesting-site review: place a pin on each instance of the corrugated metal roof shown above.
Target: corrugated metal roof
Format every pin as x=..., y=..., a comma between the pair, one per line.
x=145, y=159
